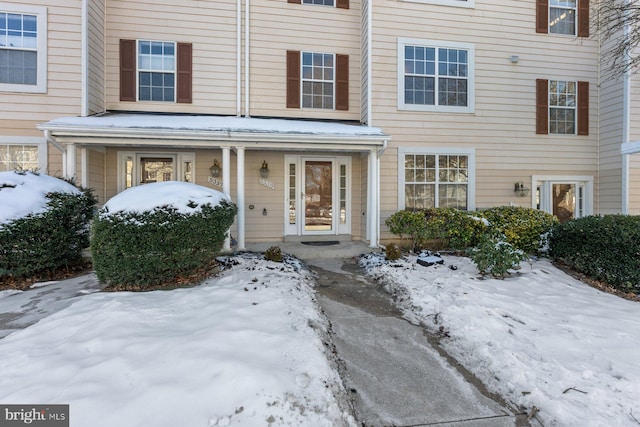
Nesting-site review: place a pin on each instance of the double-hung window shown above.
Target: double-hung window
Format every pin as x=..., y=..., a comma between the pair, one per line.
x=317, y=80
x=156, y=71
x=435, y=76
x=22, y=153
x=562, y=16
x=23, y=47
x=562, y=107
x=430, y=179
x=320, y=2
x=339, y=4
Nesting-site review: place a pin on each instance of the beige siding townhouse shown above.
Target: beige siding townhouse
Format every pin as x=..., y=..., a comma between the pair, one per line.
x=320, y=118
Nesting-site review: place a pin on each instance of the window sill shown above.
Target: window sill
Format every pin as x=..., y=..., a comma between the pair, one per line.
x=469, y=4
x=7, y=87
x=436, y=109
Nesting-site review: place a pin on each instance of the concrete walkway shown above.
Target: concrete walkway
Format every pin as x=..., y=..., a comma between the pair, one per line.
x=396, y=378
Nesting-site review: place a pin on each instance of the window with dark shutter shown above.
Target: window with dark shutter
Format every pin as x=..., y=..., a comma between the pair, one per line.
x=184, y=89
x=342, y=82
x=127, y=70
x=583, y=108
x=293, y=79
x=542, y=106
x=542, y=16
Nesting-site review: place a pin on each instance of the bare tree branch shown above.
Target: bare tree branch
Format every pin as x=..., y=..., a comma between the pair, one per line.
x=617, y=22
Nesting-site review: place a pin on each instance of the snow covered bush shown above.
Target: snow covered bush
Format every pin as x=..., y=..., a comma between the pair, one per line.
x=158, y=233
x=524, y=228
x=606, y=248
x=495, y=256
x=44, y=224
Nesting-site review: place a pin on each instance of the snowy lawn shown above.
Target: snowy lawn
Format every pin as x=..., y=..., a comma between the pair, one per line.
x=539, y=338
x=245, y=348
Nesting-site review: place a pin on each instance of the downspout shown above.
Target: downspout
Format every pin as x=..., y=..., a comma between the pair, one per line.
x=50, y=140
x=370, y=66
x=626, y=107
x=239, y=59
x=246, y=59
x=84, y=61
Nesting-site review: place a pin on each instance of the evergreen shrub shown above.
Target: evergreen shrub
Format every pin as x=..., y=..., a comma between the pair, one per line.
x=525, y=228
x=38, y=244
x=606, y=248
x=144, y=250
x=495, y=256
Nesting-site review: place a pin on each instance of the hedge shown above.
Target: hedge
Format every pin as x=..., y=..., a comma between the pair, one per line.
x=524, y=228
x=143, y=250
x=606, y=248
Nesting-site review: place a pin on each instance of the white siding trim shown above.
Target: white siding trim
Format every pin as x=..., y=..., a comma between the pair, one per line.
x=469, y=152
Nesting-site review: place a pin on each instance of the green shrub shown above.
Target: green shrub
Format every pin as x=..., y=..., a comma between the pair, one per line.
x=524, y=228
x=142, y=250
x=392, y=252
x=457, y=229
x=41, y=243
x=605, y=248
x=494, y=255
x=274, y=253
x=409, y=224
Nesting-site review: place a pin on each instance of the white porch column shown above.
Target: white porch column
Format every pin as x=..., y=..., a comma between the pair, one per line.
x=226, y=185
x=240, y=197
x=69, y=170
x=84, y=167
x=372, y=198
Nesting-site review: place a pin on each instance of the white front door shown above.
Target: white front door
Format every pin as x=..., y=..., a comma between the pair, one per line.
x=317, y=195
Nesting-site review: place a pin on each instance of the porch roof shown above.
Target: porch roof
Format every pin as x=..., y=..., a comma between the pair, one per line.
x=211, y=131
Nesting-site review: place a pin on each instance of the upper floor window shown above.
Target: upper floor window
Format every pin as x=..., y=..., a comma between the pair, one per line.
x=340, y=4
x=570, y=17
x=317, y=80
x=23, y=62
x=155, y=71
x=562, y=16
x=435, y=76
x=562, y=107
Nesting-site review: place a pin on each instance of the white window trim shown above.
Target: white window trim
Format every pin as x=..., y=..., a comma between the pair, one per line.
x=575, y=23
x=575, y=109
x=28, y=140
x=41, y=45
x=456, y=3
x=469, y=47
x=469, y=152
x=548, y=180
x=175, y=71
x=302, y=80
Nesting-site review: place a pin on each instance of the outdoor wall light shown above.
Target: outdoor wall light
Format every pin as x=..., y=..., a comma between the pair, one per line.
x=520, y=189
x=264, y=170
x=215, y=169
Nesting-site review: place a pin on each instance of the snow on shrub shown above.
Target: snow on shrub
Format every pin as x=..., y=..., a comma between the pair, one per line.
x=156, y=233
x=44, y=223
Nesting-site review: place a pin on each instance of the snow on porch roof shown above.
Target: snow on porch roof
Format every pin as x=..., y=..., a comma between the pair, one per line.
x=230, y=124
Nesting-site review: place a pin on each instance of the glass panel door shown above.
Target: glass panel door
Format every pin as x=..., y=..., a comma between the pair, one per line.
x=155, y=169
x=318, y=195
x=564, y=201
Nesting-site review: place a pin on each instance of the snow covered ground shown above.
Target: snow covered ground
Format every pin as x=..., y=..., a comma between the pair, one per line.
x=539, y=338
x=245, y=349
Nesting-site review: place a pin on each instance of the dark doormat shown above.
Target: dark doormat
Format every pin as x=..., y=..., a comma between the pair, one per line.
x=321, y=243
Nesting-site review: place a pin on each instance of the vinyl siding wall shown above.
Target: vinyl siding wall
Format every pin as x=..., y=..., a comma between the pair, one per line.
x=209, y=26
x=21, y=112
x=96, y=56
x=502, y=128
x=278, y=26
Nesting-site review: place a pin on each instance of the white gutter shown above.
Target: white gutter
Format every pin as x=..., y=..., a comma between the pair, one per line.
x=84, y=61
x=239, y=59
x=246, y=59
x=50, y=140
